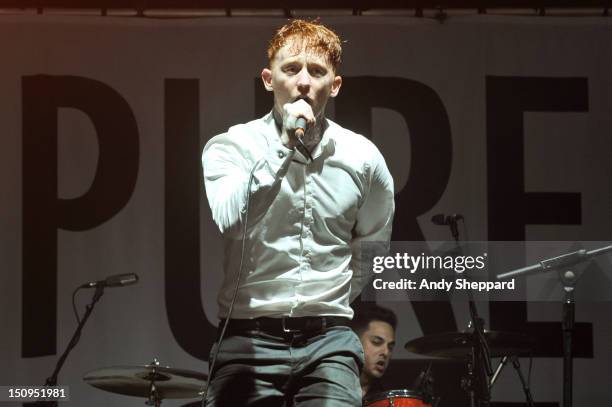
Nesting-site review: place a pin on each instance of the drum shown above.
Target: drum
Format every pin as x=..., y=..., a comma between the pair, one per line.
x=396, y=398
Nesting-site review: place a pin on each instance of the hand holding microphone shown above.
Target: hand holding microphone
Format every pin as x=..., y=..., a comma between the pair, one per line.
x=297, y=117
x=299, y=135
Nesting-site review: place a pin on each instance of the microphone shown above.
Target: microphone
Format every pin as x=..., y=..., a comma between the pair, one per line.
x=440, y=219
x=118, y=280
x=300, y=128
x=450, y=220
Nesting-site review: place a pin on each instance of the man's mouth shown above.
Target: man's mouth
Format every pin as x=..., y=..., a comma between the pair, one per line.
x=304, y=98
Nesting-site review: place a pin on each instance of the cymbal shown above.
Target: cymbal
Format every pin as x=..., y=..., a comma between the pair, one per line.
x=457, y=345
x=170, y=383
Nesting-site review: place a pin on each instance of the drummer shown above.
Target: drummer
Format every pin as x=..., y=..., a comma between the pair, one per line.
x=375, y=327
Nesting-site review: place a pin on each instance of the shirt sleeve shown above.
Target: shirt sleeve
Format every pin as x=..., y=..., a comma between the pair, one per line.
x=227, y=166
x=374, y=221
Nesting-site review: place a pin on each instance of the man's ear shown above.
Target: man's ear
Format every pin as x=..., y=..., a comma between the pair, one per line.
x=336, y=86
x=266, y=78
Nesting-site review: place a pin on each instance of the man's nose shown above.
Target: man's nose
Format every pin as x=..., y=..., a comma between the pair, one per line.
x=303, y=81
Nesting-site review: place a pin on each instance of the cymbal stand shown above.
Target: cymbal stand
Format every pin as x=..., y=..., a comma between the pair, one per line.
x=476, y=382
x=154, y=399
x=479, y=369
x=526, y=389
x=500, y=367
x=517, y=367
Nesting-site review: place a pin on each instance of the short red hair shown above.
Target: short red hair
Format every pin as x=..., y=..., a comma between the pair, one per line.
x=309, y=34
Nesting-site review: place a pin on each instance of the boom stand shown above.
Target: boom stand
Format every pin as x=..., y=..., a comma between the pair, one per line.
x=52, y=380
x=568, y=279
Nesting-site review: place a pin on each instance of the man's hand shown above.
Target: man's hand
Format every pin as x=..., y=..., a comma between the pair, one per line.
x=291, y=113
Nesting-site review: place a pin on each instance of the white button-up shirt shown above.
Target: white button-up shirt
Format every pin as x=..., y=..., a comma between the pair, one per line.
x=306, y=220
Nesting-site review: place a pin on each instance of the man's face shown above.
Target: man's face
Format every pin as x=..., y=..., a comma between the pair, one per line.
x=298, y=73
x=378, y=342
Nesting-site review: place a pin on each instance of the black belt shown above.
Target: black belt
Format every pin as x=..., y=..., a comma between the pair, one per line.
x=289, y=326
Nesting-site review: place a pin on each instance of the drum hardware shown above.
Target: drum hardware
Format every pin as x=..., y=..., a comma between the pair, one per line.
x=459, y=345
x=500, y=367
x=479, y=369
x=154, y=397
x=152, y=381
x=424, y=384
x=476, y=381
x=517, y=367
x=563, y=264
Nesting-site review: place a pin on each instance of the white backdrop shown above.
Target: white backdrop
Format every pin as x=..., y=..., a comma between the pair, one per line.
x=219, y=60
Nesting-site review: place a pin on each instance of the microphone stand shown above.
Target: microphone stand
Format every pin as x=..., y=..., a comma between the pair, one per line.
x=568, y=279
x=52, y=380
x=568, y=317
x=452, y=223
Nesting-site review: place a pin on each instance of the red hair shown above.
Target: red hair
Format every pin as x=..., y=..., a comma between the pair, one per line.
x=308, y=34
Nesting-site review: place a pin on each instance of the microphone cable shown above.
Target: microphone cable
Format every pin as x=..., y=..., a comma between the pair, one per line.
x=235, y=295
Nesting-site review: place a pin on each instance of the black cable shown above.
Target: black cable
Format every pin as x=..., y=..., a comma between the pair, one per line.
x=231, y=306
x=74, y=309
x=529, y=371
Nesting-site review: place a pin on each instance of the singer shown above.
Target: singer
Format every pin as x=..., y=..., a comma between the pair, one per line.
x=294, y=195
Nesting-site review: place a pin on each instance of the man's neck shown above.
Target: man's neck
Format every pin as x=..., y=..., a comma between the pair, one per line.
x=365, y=383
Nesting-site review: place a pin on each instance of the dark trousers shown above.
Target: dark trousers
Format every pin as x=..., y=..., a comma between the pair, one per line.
x=258, y=369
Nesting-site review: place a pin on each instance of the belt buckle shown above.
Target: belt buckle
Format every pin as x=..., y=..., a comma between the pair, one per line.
x=305, y=328
x=288, y=330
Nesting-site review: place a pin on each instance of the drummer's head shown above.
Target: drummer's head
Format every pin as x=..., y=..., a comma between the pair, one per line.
x=375, y=327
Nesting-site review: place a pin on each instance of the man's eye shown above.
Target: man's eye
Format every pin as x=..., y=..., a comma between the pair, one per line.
x=317, y=72
x=291, y=69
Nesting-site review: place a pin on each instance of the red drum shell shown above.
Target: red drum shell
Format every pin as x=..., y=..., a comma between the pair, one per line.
x=396, y=398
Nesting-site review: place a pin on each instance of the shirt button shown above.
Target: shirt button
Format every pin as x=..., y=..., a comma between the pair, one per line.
x=281, y=154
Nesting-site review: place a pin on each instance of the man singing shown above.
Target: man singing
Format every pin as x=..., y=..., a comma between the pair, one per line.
x=294, y=195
